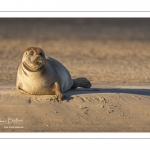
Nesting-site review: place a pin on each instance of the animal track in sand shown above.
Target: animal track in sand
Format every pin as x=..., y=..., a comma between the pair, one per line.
x=84, y=110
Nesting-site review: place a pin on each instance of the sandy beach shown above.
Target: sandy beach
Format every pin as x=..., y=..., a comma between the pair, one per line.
x=114, y=54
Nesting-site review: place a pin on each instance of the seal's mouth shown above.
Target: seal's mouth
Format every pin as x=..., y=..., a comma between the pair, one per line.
x=36, y=60
x=39, y=66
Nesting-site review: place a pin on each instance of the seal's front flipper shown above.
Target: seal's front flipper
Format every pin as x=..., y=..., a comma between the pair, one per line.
x=81, y=82
x=20, y=89
x=56, y=90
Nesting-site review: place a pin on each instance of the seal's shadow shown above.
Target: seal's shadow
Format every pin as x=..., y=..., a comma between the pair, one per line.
x=78, y=91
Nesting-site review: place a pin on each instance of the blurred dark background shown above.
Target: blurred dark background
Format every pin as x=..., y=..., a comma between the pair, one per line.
x=89, y=28
x=105, y=50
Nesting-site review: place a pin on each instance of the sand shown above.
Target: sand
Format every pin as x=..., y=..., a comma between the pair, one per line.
x=113, y=54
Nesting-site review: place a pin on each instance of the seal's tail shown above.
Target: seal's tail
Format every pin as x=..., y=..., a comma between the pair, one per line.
x=81, y=82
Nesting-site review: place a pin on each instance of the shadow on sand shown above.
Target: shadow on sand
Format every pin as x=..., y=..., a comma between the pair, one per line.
x=145, y=92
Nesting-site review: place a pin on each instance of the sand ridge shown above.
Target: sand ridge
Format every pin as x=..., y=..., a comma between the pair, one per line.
x=92, y=110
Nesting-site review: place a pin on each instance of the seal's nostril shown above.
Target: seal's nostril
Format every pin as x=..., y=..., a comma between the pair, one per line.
x=38, y=57
x=41, y=54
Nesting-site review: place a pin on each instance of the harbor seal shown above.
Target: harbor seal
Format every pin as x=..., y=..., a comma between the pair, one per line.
x=41, y=75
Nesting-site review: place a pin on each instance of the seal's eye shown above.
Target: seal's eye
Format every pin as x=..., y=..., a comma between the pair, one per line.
x=41, y=54
x=31, y=53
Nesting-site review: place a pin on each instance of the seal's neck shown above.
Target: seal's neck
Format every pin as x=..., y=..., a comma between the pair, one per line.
x=31, y=69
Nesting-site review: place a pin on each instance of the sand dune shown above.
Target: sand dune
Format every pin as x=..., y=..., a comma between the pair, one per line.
x=111, y=108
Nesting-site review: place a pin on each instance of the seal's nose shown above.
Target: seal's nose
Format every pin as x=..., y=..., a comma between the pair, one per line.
x=37, y=57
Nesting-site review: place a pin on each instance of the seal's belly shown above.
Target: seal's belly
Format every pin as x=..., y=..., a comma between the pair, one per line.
x=41, y=88
x=36, y=85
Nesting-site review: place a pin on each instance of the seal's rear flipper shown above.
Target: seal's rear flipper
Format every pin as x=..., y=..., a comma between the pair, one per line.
x=81, y=82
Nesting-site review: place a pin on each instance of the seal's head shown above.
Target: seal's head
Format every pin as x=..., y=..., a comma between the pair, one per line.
x=33, y=59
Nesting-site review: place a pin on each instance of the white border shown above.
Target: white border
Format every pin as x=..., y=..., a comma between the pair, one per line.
x=66, y=135
x=74, y=5
x=74, y=14
x=69, y=144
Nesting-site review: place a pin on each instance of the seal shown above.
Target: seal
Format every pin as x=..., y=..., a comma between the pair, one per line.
x=42, y=75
